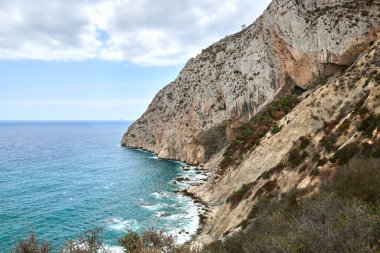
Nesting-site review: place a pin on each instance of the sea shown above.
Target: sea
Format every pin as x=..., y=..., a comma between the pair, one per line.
x=59, y=179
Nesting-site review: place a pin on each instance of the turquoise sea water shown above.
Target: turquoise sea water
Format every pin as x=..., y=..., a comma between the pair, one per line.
x=58, y=179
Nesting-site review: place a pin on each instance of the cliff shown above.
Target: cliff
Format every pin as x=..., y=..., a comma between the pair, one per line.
x=337, y=121
x=293, y=44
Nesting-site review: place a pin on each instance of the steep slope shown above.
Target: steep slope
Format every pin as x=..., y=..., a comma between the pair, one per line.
x=337, y=121
x=293, y=43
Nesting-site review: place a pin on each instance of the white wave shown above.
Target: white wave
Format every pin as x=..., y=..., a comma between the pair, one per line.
x=191, y=225
x=160, y=195
x=142, y=150
x=118, y=224
x=162, y=214
x=114, y=249
x=154, y=207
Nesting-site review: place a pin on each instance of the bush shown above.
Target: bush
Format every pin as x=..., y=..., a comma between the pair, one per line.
x=295, y=157
x=314, y=172
x=90, y=242
x=264, y=175
x=359, y=179
x=345, y=125
x=250, y=135
x=325, y=223
x=343, y=155
x=150, y=241
x=130, y=241
x=342, y=217
x=275, y=128
x=328, y=142
x=369, y=124
x=32, y=245
x=304, y=142
x=227, y=152
x=238, y=195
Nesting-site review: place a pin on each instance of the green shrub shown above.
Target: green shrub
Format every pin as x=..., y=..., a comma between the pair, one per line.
x=238, y=195
x=345, y=125
x=264, y=175
x=227, y=152
x=322, y=161
x=275, y=128
x=130, y=241
x=343, y=217
x=314, y=172
x=324, y=223
x=304, y=142
x=246, y=133
x=150, y=241
x=295, y=157
x=249, y=136
x=363, y=111
x=359, y=179
x=369, y=124
x=346, y=153
x=328, y=142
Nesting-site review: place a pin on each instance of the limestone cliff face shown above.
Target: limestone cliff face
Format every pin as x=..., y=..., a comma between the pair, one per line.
x=329, y=117
x=293, y=43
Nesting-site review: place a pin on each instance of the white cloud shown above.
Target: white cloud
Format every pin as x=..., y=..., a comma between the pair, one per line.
x=147, y=32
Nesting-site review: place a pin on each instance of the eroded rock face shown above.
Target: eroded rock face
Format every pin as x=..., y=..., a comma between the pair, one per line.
x=336, y=101
x=293, y=43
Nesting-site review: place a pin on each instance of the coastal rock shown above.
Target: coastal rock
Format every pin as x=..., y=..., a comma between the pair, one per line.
x=294, y=43
x=319, y=118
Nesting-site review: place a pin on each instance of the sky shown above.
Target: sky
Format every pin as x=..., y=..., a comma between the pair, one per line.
x=103, y=59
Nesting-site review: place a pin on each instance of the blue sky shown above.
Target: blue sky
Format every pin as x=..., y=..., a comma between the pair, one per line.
x=84, y=90
x=103, y=59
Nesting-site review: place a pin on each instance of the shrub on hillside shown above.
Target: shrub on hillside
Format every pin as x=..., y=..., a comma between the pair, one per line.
x=250, y=135
x=91, y=241
x=239, y=195
x=369, y=124
x=343, y=217
x=359, y=179
x=304, y=142
x=32, y=245
x=150, y=241
x=344, y=155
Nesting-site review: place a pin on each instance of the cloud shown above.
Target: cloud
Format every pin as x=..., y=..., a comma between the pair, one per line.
x=145, y=32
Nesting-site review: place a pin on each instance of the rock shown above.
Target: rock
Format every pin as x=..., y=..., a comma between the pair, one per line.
x=313, y=45
x=293, y=43
x=182, y=179
x=339, y=97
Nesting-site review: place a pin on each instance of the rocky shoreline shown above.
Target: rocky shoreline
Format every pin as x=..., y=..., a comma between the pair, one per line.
x=204, y=210
x=196, y=176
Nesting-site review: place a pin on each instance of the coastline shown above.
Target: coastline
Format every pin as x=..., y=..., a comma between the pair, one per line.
x=191, y=175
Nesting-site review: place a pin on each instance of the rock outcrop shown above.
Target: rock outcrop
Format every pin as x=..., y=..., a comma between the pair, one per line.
x=294, y=43
x=329, y=118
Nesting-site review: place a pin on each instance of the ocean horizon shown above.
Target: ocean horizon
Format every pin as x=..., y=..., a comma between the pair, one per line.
x=61, y=178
